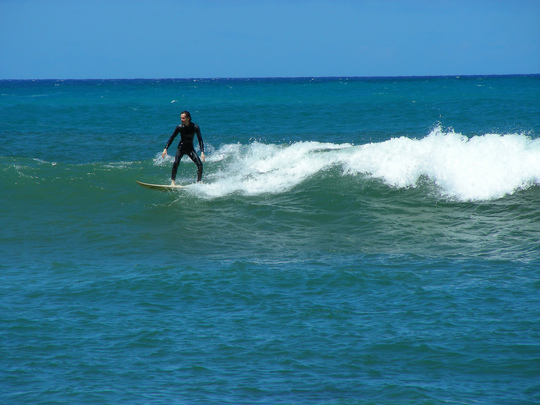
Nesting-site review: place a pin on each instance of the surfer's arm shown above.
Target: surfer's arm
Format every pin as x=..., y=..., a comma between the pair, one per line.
x=201, y=143
x=171, y=139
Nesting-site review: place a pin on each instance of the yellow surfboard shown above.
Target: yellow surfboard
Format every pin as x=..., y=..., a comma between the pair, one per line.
x=160, y=187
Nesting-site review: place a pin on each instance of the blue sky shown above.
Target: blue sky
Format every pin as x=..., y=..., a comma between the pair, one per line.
x=100, y=39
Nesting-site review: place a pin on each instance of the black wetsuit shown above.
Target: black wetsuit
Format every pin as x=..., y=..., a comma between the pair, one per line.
x=185, y=147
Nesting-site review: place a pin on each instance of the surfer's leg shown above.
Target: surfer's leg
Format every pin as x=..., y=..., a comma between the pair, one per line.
x=198, y=162
x=177, y=159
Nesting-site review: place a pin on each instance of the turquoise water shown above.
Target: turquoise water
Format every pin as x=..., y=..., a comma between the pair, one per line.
x=354, y=241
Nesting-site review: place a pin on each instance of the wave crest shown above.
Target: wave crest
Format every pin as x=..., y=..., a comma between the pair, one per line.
x=483, y=167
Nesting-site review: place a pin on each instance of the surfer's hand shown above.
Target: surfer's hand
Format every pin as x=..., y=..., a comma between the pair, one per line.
x=202, y=156
x=164, y=153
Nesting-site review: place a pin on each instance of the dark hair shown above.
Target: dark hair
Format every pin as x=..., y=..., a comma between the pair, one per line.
x=187, y=114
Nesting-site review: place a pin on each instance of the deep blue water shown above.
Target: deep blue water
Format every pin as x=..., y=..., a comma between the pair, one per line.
x=354, y=241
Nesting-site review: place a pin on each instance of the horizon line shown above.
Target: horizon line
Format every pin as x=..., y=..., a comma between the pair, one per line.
x=283, y=77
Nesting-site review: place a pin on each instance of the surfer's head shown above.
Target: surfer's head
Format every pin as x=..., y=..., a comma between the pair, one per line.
x=185, y=117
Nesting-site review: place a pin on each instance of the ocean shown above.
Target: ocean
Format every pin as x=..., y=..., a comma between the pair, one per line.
x=353, y=241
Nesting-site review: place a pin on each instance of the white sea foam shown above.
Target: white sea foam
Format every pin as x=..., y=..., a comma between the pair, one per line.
x=480, y=168
x=467, y=169
x=265, y=168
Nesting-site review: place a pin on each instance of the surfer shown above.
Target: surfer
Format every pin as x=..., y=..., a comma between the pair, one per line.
x=187, y=131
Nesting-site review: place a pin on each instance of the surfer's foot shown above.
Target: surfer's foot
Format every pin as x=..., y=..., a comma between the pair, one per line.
x=173, y=183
